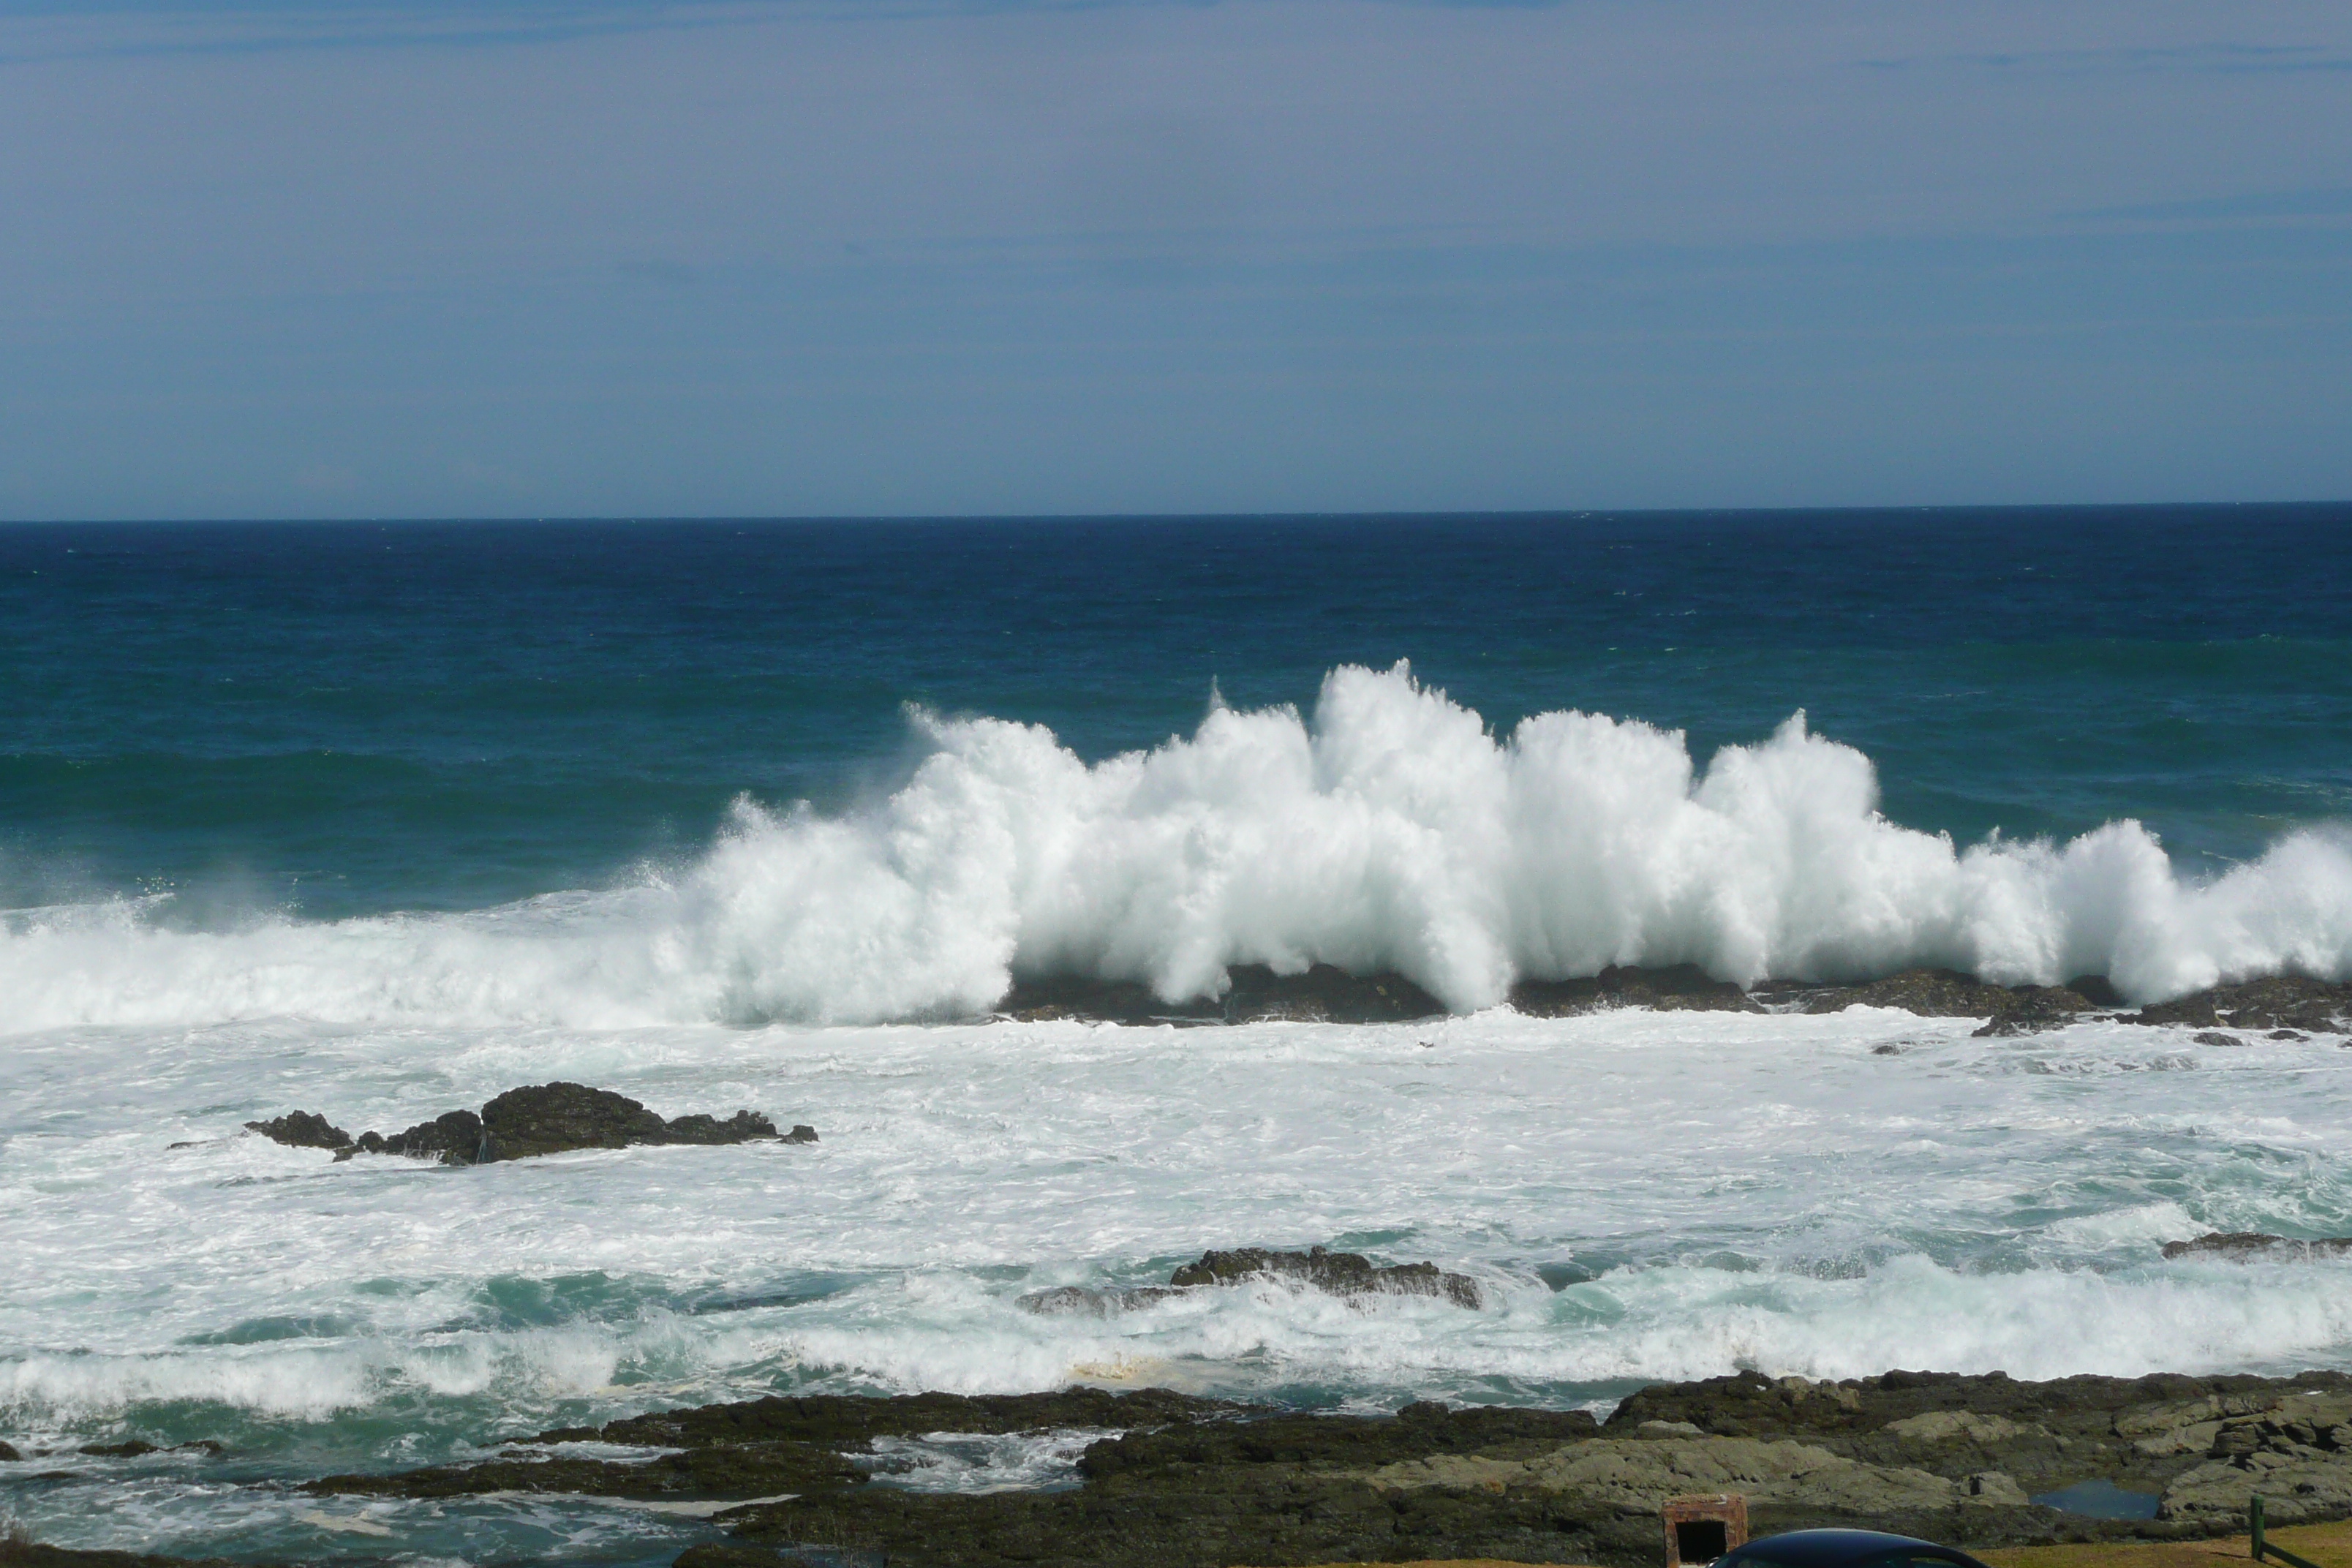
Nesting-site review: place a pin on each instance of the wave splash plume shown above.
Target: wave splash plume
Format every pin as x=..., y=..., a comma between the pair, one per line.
x=1390, y=832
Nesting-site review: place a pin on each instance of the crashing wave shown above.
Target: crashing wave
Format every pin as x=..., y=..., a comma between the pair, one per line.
x=1393, y=832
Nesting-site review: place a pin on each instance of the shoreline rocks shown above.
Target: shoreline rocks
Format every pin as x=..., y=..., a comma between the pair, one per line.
x=521, y=1123
x=1200, y=1483
x=1347, y=1275
x=2282, y=1006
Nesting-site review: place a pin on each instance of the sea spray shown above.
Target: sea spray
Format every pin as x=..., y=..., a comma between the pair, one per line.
x=1394, y=831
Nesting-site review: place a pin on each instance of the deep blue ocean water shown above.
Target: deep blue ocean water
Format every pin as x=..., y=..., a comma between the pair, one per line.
x=336, y=718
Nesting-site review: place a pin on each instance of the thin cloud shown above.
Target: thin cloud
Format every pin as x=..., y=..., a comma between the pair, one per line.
x=2204, y=59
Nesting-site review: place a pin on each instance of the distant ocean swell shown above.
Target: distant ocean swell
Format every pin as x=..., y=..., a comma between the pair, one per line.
x=1392, y=832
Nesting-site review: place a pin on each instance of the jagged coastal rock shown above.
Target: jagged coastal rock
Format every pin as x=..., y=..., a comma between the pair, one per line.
x=1343, y=1274
x=1199, y=1483
x=545, y=1119
x=2284, y=1007
x=1338, y=1273
x=1191, y=1483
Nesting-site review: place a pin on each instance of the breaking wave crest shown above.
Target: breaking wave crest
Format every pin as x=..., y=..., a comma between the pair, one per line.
x=1392, y=831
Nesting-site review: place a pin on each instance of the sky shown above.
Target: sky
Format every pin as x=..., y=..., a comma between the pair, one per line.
x=518, y=258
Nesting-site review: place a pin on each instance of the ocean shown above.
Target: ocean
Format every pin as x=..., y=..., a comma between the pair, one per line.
x=378, y=820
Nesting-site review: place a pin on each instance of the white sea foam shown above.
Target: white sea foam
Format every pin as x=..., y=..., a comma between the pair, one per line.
x=1393, y=832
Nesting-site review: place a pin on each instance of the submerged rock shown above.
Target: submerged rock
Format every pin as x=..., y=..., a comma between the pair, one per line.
x=9, y=1456
x=297, y=1129
x=1338, y=1273
x=1065, y=1299
x=2245, y=1245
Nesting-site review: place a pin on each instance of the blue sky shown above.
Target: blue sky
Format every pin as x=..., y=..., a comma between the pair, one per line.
x=831, y=257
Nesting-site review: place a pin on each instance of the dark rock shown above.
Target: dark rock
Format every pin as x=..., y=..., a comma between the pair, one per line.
x=2214, y=1038
x=2095, y=989
x=711, y=1472
x=9, y=1456
x=1253, y=994
x=132, y=1448
x=453, y=1138
x=2252, y=1244
x=1340, y=1273
x=1195, y=1483
x=1948, y=993
x=297, y=1129
x=555, y=1118
x=2280, y=1002
x=1682, y=987
x=18, y=1552
x=834, y=1420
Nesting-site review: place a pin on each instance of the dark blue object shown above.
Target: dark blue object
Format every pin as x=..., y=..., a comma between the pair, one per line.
x=1844, y=1549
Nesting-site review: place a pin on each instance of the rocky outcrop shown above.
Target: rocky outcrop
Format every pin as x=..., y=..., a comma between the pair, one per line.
x=1635, y=1475
x=2247, y=1245
x=1343, y=1274
x=546, y=1119
x=1682, y=987
x=1947, y=994
x=555, y=1118
x=9, y=1456
x=2287, y=1006
x=453, y=1138
x=299, y=1129
x=2281, y=1002
x=2297, y=1452
x=1253, y=994
x=1193, y=1483
x=1336, y=1273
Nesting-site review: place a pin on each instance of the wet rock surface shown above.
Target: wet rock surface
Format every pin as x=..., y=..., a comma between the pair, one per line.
x=1947, y=994
x=544, y=1119
x=33, y=1554
x=2286, y=1005
x=1682, y=987
x=2281, y=1002
x=1344, y=1274
x=1198, y=1483
x=2251, y=1245
x=299, y=1129
x=1254, y=993
x=1336, y=1273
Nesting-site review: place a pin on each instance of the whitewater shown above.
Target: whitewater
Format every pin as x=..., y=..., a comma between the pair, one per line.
x=1392, y=830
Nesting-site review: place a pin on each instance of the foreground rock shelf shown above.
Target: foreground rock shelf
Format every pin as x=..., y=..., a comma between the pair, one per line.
x=1199, y=1483
x=546, y=1119
x=2285, y=1005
